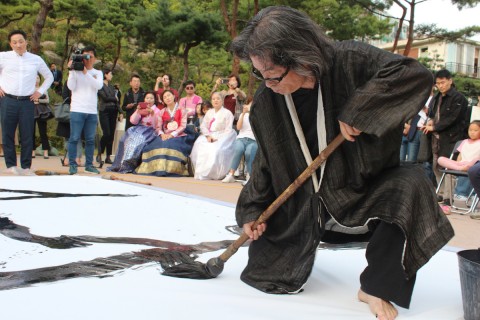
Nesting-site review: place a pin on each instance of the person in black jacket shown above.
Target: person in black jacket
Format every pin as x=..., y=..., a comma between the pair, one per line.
x=131, y=99
x=57, y=79
x=448, y=120
x=63, y=130
x=108, y=108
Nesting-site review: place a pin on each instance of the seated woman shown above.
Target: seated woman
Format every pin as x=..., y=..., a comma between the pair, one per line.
x=469, y=154
x=212, y=152
x=167, y=154
x=245, y=144
x=137, y=137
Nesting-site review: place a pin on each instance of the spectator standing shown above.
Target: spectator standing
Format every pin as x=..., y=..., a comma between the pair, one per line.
x=132, y=97
x=411, y=134
x=166, y=81
x=245, y=145
x=234, y=97
x=212, y=152
x=108, y=108
x=84, y=85
x=18, y=72
x=448, y=121
x=57, y=84
x=190, y=101
x=41, y=123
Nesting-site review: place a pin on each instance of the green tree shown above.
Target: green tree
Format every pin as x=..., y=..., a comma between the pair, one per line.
x=74, y=18
x=345, y=19
x=14, y=10
x=45, y=7
x=181, y=29
x=115, y=22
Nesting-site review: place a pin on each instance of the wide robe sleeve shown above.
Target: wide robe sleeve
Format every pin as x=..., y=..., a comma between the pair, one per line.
x=383, y=89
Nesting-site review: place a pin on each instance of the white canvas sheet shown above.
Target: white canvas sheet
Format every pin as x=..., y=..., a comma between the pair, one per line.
x=142, y=293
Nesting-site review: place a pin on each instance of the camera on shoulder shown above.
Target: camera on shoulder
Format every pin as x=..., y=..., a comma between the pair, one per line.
x=77, y=60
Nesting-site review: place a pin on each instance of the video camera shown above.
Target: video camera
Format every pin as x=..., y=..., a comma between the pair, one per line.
x=77, y=60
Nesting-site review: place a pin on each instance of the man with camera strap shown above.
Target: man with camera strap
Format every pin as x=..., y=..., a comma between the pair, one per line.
x=84, y=84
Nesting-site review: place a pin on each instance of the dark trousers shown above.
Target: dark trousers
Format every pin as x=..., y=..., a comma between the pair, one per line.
x=108, y=123
x=384, y=276
x=42, y=131
x=17, y=113
x=474, y=176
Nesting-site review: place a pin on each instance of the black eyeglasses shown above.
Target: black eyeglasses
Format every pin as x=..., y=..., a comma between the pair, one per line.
x=276, y=80
x=189, y=88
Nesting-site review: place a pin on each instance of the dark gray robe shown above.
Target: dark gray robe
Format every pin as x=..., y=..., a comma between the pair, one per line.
x=376, y=92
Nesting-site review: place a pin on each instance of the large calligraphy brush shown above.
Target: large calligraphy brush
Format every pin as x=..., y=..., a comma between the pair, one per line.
x=189, y=268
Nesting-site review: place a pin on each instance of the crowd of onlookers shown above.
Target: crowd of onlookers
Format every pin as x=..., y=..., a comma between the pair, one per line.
x=205, y=137
x=164, y=134
x=445, y=135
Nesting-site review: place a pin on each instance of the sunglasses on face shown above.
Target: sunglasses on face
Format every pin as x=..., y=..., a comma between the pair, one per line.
x=189, y=88
x=257, y=74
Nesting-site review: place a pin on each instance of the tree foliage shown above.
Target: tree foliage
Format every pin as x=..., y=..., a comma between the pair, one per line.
x=344, y=19
x=179, y=30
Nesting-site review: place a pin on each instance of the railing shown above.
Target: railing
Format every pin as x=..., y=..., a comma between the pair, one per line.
x=464, y=69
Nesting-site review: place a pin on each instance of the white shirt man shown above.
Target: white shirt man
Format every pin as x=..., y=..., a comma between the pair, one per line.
x=18, y=73
x=84, y=85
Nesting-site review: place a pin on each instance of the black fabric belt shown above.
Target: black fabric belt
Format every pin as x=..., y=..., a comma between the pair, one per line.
x=17, y=97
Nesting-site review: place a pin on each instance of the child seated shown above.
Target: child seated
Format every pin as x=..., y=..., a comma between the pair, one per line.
x=469, y=154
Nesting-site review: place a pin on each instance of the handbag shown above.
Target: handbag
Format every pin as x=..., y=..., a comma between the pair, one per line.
x=43, y=112
x=62, y=111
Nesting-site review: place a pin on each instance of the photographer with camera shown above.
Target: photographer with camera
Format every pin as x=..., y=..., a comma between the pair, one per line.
x=132, y=97
x=84, y=81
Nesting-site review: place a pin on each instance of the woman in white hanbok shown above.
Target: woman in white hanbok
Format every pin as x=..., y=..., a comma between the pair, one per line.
x=212, y=152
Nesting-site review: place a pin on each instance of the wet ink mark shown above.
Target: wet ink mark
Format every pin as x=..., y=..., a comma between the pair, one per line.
x=43, y=194
x=165, y=253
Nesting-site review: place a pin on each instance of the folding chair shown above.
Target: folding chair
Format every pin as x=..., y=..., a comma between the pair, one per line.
x=469, y=208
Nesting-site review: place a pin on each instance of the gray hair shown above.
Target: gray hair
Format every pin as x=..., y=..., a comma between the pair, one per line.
x=286, y=37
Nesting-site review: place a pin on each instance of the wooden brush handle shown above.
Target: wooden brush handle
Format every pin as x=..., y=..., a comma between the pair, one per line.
x=50, y=173
x=285, y=195
x=113, y=177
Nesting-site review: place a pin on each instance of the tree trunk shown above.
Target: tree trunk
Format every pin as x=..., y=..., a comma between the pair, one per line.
x=65, y=48
x=188, y=46
x=231, y=25
x=45, y=7
x=400, y=24
x=408, y=46
x=117, y=56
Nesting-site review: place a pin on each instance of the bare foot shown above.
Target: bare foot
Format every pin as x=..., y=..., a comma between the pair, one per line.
x=382, y=309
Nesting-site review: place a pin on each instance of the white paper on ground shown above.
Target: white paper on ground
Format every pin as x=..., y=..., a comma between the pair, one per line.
x=142, y=293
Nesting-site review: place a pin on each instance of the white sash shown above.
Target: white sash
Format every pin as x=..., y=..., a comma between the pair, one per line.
x=321, y=134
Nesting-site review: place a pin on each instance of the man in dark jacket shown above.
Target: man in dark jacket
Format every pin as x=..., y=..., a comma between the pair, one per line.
x=57, y=84
x=131, y=99
x=449, y=120
x=314, y=89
